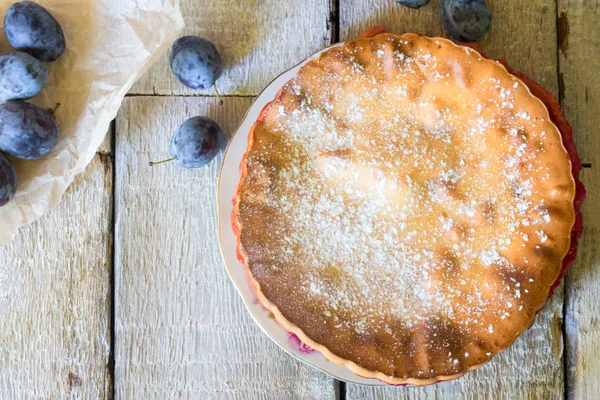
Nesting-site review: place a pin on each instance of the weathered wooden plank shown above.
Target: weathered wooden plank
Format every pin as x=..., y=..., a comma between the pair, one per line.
x=579, y=63
x=55, y=297
x=525, y=34
x=257, y=40
x=181, y=328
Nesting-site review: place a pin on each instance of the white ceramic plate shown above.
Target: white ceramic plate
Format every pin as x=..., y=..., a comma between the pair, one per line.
x=228, y=182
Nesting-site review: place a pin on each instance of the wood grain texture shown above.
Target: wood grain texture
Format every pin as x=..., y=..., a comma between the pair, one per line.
x=258, y=39
x=54, y=297
x=181, y=329
x=525, y=34
x=579, y=63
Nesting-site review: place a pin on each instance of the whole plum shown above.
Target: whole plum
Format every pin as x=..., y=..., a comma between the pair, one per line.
x=465, y=20
x=31, y=28
x=26, y=131
x=196, y=62
x=195, y=143
x=22, y=76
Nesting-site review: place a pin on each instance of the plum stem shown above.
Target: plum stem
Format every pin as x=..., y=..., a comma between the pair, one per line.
x=153, y=163
x=217, y=92
x=53, y=111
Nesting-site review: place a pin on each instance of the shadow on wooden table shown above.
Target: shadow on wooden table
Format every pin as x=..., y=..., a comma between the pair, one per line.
x=244, y=31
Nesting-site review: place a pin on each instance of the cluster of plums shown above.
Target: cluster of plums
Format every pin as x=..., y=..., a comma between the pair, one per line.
x=27, y=131
x=197, y=64
x=465, y=20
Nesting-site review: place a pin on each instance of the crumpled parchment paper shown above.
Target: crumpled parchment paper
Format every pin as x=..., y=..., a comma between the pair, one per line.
x=110, y=43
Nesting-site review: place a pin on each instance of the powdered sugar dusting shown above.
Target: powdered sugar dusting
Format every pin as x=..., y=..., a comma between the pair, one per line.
x=400, y=211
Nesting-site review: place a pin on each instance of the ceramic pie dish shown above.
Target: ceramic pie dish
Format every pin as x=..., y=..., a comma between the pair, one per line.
x=403, y=205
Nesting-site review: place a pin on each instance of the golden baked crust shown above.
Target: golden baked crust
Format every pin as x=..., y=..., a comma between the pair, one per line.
x=404, y=208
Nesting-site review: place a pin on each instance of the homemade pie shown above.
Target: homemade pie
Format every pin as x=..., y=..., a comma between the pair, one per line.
x=405, y=207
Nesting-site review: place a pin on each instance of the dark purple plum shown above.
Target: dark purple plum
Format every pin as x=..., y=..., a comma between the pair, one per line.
x=31, y=28
x=196, y=62
x=195, y=143
x=26, y=131
x=22, y=76
x=413, y=3
x=8, y=180
x=466, y=20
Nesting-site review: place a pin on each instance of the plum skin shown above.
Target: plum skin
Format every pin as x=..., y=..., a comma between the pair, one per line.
x=196, y=142
x=195, y=62
x=8, y=180
x=29, y=27
x=465, y=20
x=22, y=76
x=413, y=3
x=26, y=131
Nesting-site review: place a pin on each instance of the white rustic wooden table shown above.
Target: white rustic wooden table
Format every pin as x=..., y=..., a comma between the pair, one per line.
x=120, y=292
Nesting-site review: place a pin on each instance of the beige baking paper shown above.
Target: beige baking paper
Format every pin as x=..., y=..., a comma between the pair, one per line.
x=110, y=43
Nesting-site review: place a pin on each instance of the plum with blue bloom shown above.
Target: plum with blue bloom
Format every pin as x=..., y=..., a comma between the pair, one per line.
x=26, y=131
x=29, y=27
x=22, y=76
x=465, y=20
x=195, y=143
x=196, y=62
